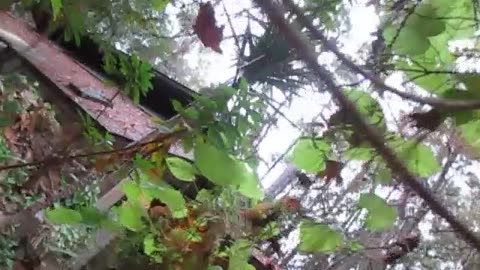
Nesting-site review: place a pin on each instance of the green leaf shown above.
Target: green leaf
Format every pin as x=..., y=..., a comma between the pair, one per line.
x=62, y=215
x=470, y=132
x=243, y=85
x=315, y=237
x=419, y=158
x=220, y=167
x=251, y=188
x=11, y=106
x=130, y=216
x=204, y=196
x=159, y=5
x=355, y=246
x=6, y=120
x=240, y=252
x=171, y=197
x=131, y=190
x=177, y=106
x=359, y=153
x=92, y=216
x=309, y=154
x=424, y=21
x=367, y=106
x=380, y=215
x=56, y=6
x=408, y=41
x=152, y=248
x=181, y=169
x=383, y=176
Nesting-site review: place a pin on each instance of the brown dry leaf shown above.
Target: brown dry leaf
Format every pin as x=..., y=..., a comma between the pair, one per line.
x=332, y=170
x=159, y=211
x=10, y=137
x=429, y=120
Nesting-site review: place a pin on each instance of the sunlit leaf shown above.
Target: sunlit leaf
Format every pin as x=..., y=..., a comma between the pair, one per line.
x=310, y=154
x=129, y=216
x=240, y=252
x=181, y=169
x=171, y=197
x=419, y=158
x=367, y=106
x=424, y=21
x=131, y=190
x=220, y=167
x=359, y=153
x=204, y=196
x=251, y=188
x=92, y=216
x=471, y=133
x=408, y=41
x=159, y=4
x=56, y=6
x=62, y=215
x=380, y=215
x=315, y=237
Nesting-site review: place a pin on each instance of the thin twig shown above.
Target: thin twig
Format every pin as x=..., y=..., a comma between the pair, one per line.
x=50, y=160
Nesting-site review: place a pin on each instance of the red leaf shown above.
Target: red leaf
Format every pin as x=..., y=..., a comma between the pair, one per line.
x=206, y=27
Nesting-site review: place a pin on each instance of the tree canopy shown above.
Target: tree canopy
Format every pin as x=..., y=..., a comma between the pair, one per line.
x=396, y=126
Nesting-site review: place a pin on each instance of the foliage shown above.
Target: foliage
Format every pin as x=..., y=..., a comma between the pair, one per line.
x=220, y=129
x=135, y=74
x=318, y=238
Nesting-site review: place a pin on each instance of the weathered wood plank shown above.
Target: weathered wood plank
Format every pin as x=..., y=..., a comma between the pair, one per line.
x=123, y=118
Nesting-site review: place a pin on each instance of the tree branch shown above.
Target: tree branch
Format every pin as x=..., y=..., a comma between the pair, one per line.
x=377, y=81
x=308, y=55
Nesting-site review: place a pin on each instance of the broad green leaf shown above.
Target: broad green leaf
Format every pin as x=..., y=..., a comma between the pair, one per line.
x=315, y=237
x=367, y=106
x=433, y=82
x=359, y=153
x=220, y=167
x=240, y=252
x=383, y=176
x=11, y=106
x=472, y=82
x=243, y=85
x=309, y=154
x=408, y=41
x=92, y=216
x=424, y=21
x=131, y=190
x=130, y=216
x=251, y=188
x=204, y=196
x=149, y=244
x=471, y=133
x=181, y=169
x=56, y=6
x=380, y=215
x=62, y=215
x=152, y=248
x=171, y=197
x=419, y=159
